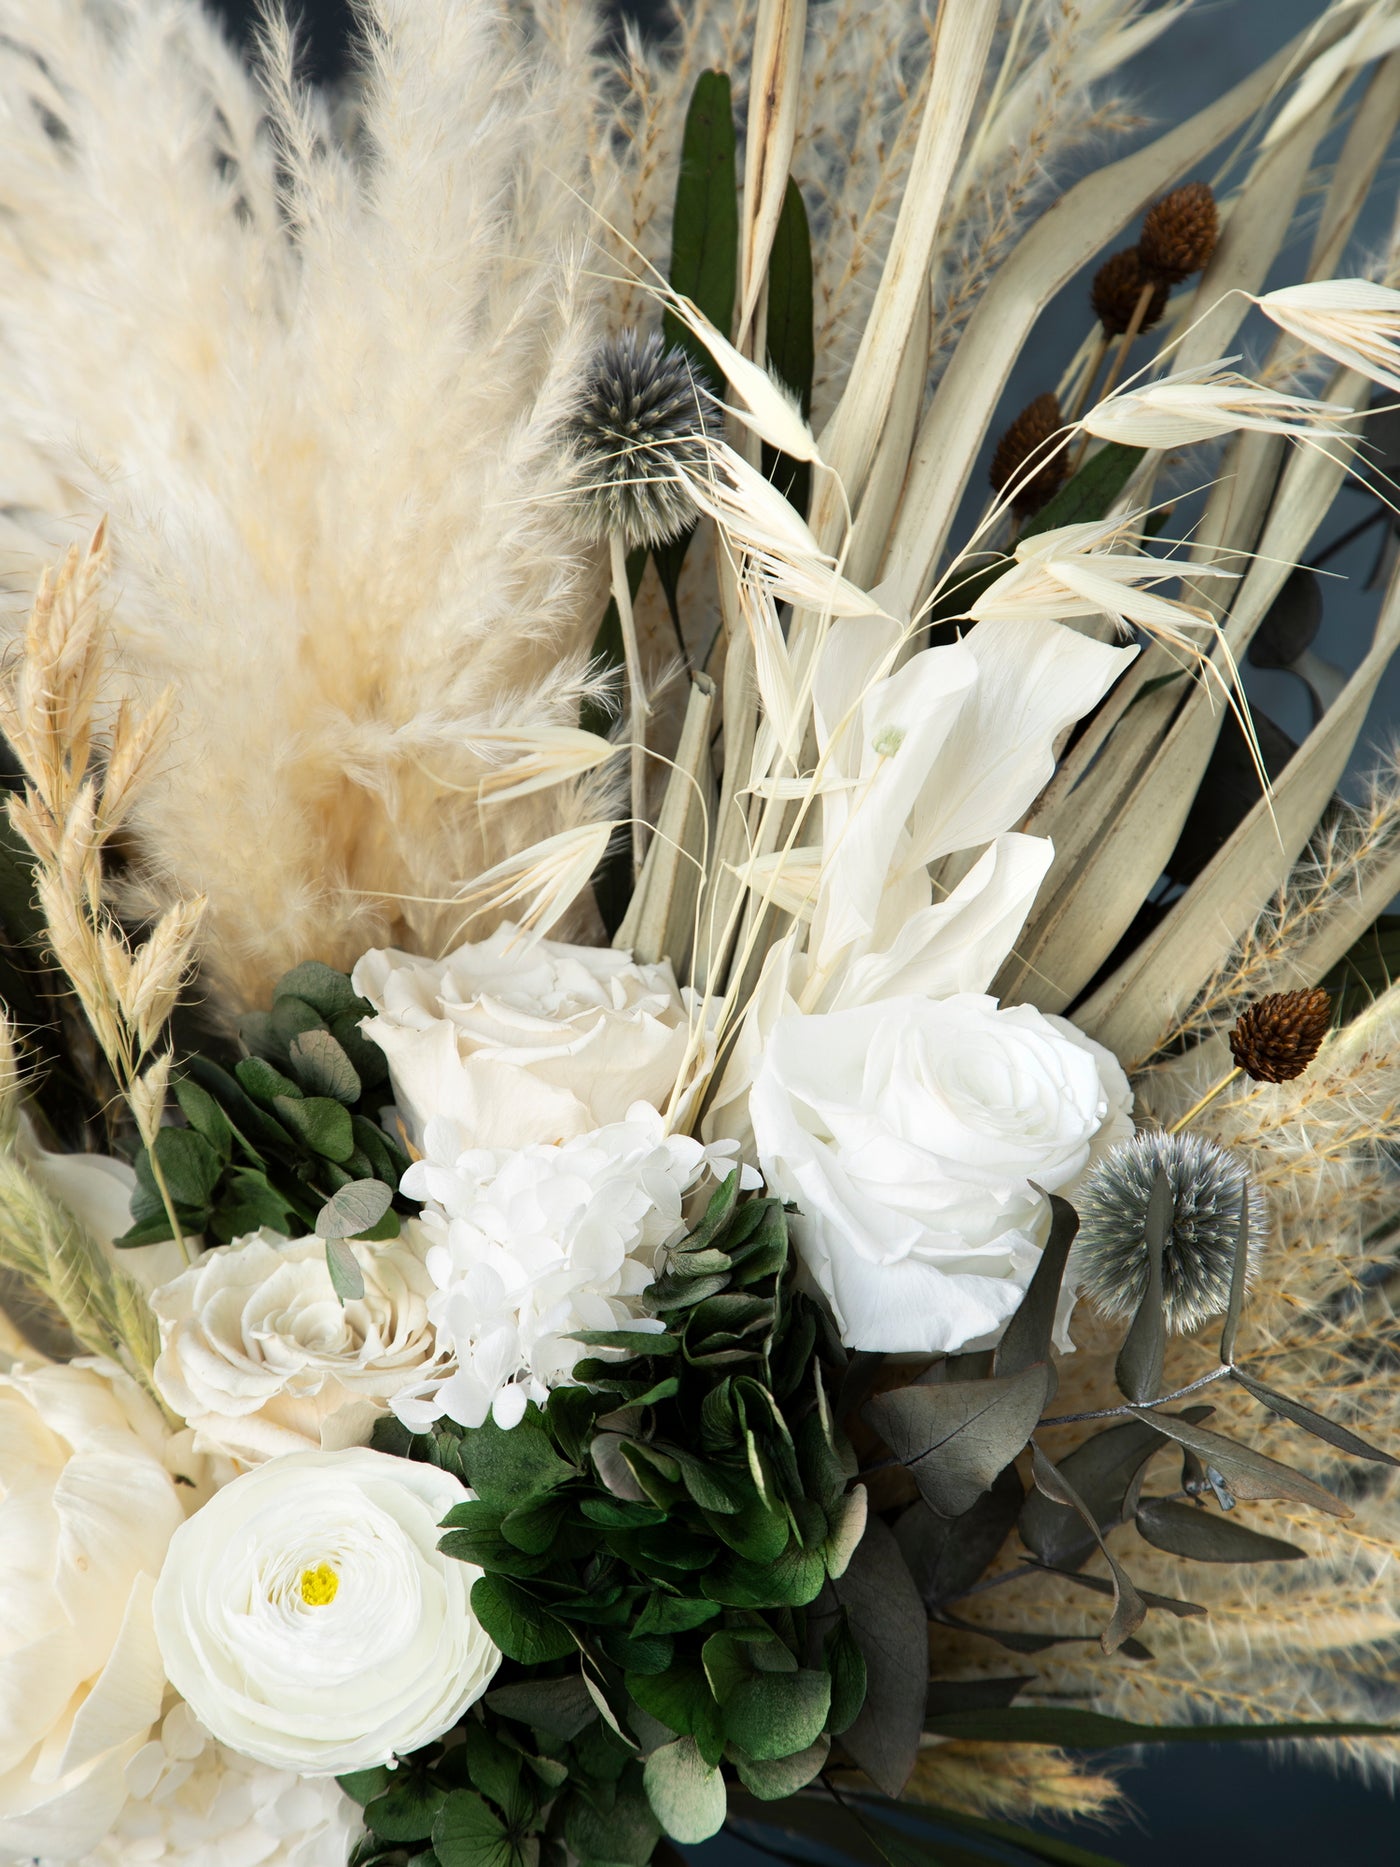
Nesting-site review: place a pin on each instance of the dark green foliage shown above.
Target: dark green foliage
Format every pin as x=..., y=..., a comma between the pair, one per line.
x=290, y=1138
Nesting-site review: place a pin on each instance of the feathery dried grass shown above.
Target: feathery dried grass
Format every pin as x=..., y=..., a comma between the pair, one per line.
x=319, y=392
x=1017, y=1780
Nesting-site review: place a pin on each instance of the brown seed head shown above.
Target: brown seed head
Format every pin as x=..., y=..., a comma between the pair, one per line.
x=1277, y=1038
x=1030, y=437
x=1117, y=287
x=1179, y=233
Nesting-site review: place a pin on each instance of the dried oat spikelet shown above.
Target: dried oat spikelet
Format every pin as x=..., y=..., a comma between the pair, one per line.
x=1009, y=1779
x=1179, y=233
x=80, y=785
x=1022, y=468
x=1277, y=1038
x=1117, y=288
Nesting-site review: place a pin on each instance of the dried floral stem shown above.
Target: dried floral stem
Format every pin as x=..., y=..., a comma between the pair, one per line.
x=638, y=707
x=1120, y=358
x=1204, y=1102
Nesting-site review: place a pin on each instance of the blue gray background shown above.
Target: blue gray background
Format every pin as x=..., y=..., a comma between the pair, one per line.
x=1221, y=1804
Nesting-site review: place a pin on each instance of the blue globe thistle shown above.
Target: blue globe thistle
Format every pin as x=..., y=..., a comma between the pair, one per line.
x=641, y=425
x=1110, y=1253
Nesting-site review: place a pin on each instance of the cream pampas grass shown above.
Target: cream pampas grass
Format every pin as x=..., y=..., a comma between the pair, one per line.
x=319, y=390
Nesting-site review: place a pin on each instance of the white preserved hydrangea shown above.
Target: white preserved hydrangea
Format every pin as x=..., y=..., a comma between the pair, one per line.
x=533, y=1244
x=192, y=1799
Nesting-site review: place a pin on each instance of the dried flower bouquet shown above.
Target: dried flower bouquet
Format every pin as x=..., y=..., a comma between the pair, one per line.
x=685, y=1112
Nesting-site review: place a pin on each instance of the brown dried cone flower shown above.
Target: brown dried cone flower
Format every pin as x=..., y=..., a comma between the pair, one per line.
x=1277, y=1038
x=1179, y=233
x=1116, y=289
x=1029, y=435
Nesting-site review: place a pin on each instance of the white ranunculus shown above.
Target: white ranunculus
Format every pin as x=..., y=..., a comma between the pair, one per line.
x=913, y=1135
x=533, y=1244
x=195, y=1803
x=87, y=1509
x=311, y=1622
x=260, y=1357
x=520, y=1040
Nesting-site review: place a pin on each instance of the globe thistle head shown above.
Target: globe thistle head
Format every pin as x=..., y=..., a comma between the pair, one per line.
x=642, y=424
x=1110, y=1252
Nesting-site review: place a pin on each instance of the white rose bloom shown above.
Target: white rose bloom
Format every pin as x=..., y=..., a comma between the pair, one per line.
x=87, y=1509
x=913, y=1135
x=309, y=1619
x=196, y=1803
x=533, y=1244
x=518, y=1039
x=261, y=1358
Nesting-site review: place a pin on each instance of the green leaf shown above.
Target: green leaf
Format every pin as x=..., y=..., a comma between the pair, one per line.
x=322, y=1067
x=1138, y=1371
x=790, y=1581
x=775, y=1780
x=205, y=1117
x=406, y=1810
x=849, y=1679
x=956, y=1437
x=946, y=1555
x=520, y=1627
x=1028, y=1335
x=1312, y=1422
x=363, y=1786
x=624, y=1834
x=264, y=1084
x=507, y=1465
x=1101, y=1585
x=1248, y=1473
x=686, y=1794
x=1101, y=1470
x=190, y=1166
x=682, y=1700
x=559, y=1707
x=705, y=225
x=972, y=1694
x=790, y=336
x=321, y=1124
x=1129, y=1610
x=355, y=1210
x=467, y=1833
x=776, y=1714
x=323, y=988
x=670, y=1614
x=1091, y=492
x=1205, y=1536
x=347, y=1279
x=887, y=1621
x=494, y=1770
x=1074, y=1729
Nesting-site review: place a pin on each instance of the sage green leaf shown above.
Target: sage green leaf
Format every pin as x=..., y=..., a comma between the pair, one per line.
x=520, y=1627
x=774, y=1780
x=1129, y=1610
x=682, y=1700
x=1239, y=1278
x=687, y=1795
x=1248, y=1473
x=320, y=1123
x=624, y=1834
x=776, y=1714
x=354, y=1210
x=847, y=1520
x=264, y=1084
x=1027, y=1337
x=955, y=1438
x=190, y=1166
x=791, y=1580
x=887, y=1622
x=468, y=1833
x=671, y=1614
x=205, y=1117
x=322, y=1067
x=558, y=1707
x=1138, y=1370
x=946, y=1555
x=363, y=1786
x=507, y=1466
x=1311, y=1422
x=347, y=1279
x=406, y=1810
x=1101, y=1470
x=1206, y=1536
x=323, y=988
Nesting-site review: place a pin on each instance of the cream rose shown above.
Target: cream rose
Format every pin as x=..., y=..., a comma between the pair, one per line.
x=87, y=1509
x=917, y=1138
x=519, y=1040
x=308, y=1618
x=260, y=1357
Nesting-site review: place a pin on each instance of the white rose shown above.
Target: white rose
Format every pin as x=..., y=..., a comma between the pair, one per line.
x=519, y=1040
x=87, y=1509
x=260, y=1357
x=310, y=1620
x=196, y=1803
x=913, y=1135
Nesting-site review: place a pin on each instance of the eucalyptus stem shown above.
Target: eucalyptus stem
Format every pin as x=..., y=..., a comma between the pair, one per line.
x=638, y=708
x=1132, y=1410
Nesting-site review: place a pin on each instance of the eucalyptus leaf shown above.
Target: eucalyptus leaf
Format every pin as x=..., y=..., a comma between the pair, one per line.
x=322, y=1067
x=946, y=1555
x=1312, y=1422
x=320, y=1122
x=778, y=1714
x=1129, y=1611
x=347, y=1279
x=1100, y=1585
x=1204, y=1536
x=784, y=1776
x=1138, y=1370
x=1249, y=1473
x=1028, y=1336
x=559, y=1707
x=687, y=1795
x=1101, y=1470
x=887, y=1621
x=354, y=1210
x=956, y=1437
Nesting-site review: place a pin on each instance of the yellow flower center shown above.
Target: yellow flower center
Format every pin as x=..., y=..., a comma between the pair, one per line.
x=319, y=1585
